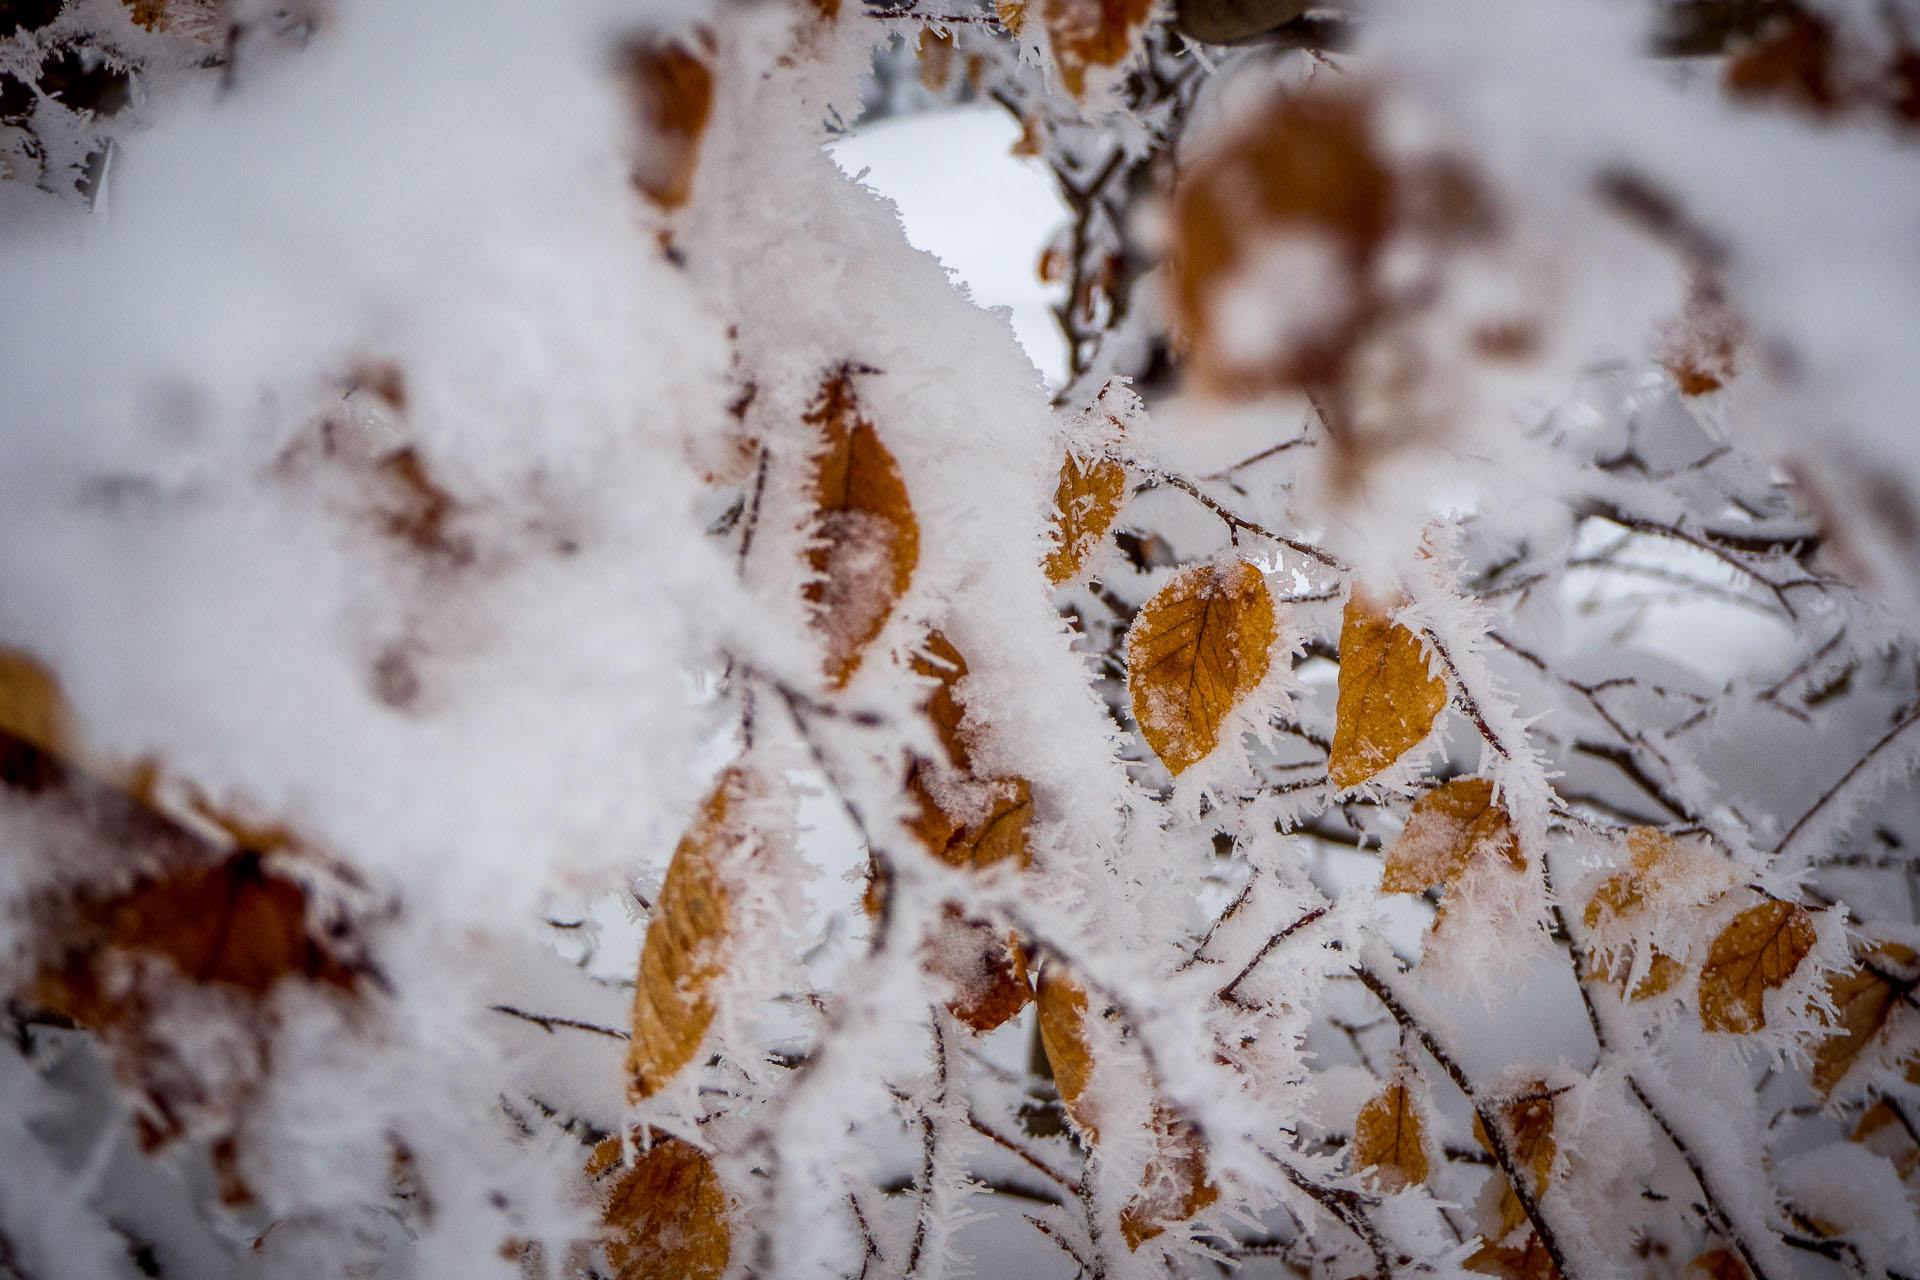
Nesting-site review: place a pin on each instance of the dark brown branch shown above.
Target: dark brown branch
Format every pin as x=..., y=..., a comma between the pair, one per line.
x=1829, y=795
x=547, y=1022
x=1239, y=522
x=1229, y=993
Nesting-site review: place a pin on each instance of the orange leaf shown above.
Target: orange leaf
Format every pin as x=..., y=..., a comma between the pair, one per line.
x=1657, y=860
x=1062, y=1006
x=1091, y=33
x=1755, y=954
x=985, y=966
x=671, y=93
x=1529, y=1261
x=1196, y=651
x=1450, y=828
x=1864, y=997
x=1720, y=1264
x=1085, y=504
x=1174, y=1185
x=686, y=947
x=1388, y=699
x=1389, y=1139
x=867, y=540
x=1529, y=1124
x=665, y=1215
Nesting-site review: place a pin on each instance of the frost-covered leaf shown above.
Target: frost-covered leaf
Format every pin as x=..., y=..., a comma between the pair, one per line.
x=1702, y=348
x=1389, y=699
x=1528, y=1120
x=867, y=539
x=1089, y=34
x=1452, y=827
x=1665, y=877
x=1389, y=1139
x=1719, y=1264
x=986, y=968
x=670, y=89
x=1062, y=1005
x=1527, y=1261
x=664, y=1215
x=688, y=940
x=1883, y=1130
x=1175, y=1184
x=1196, y=651
x=1085, y=504
x=1757, y=953
x=32, y=708
x=1863, y=997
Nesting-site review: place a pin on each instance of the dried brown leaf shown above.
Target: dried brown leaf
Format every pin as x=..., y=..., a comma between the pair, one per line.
x=985, y=966
x=1863, y=998
x=1388, y=701
x=1091, y=33
x=670, y=90
x=1883, y=1129
x=867, y=540
x=1656, y=860
x=665, y=1215
x=1174, y=1186
x=1529, y=1124
x=1451, y=827
x=32, y=708
x=688, y=938
x=1085, y=505
x=1196, y=651
x=1529, y=1261
x=1755, y=954
x=1062, y=1005
x=1389, y=1139
x=1720, y=1264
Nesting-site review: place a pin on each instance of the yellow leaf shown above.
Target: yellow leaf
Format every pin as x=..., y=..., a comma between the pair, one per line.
x=1091, y=33
x=1062, y=1006
x=1529, y=1261
x=1882, y=1131
x=1656, y=859
x=1863, y=997
x=32, y=708
x=1389, y=1139
x=1529, y=1124
x=1085, y=505
x=685, y=949
x=867, y=540
x=670, y=90
x=1450, y=828
x=1388, y=699
x=665, y=1215
x=1755, y=954
x=985, y=966
x=1174, y=1185
x=1197, y=650
x=1720, y=1264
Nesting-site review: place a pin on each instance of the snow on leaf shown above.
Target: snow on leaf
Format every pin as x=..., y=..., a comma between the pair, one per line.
x=1451, y=828
x=1196, y=651
x=1663, y=872
x=1087, y=34
x=1389, y=1139
x=1175, y=1185
x=867, y=540
x=1086, y=502
x=1863, y=997
x=1882, y=1130
x=664, y=1215
x=1757, y=953
x=670, y=90
x=1720, y=1264
x=986, y=968
x=1527, y=1261
x=686, y=947
x=1528, y=1120
x=1388, y=699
